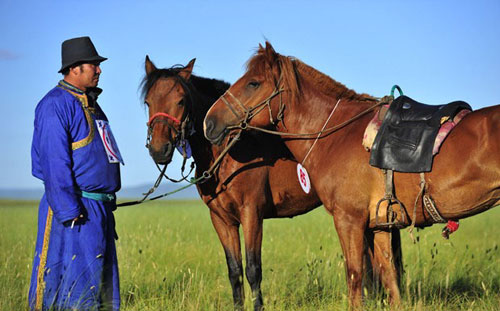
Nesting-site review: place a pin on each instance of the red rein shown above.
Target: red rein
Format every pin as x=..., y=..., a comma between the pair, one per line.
x=163, y=114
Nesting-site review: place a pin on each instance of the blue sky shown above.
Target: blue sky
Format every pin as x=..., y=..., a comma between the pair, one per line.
x=437, y=51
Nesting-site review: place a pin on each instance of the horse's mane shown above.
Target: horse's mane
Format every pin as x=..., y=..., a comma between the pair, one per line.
x=150, y=79
x=294, y=70
x=213, y=88
x=208, y=88
x=327, y=85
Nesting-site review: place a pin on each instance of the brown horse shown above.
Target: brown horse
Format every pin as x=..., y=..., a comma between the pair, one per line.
x=295, y=98
x=254, y=181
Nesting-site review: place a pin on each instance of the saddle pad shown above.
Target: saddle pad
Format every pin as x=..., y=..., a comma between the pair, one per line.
x=373, y=127
x=406, y=140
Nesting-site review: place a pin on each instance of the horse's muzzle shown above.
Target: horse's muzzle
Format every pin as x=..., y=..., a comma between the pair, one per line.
x=212, y=133
x=163, y=155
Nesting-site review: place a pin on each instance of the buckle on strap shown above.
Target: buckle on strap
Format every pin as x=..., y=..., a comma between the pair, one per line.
x=99, y=196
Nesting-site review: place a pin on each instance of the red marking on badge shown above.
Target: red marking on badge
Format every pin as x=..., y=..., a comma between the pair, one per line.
x=303, y=177
x=107, y=142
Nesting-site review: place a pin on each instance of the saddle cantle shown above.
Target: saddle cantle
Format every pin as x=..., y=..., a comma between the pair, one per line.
x=405, y=140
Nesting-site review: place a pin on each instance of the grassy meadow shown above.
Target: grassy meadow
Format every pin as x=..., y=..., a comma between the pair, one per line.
x=170, y=259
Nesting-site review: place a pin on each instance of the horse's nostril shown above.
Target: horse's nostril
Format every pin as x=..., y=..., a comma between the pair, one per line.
x=209, y=127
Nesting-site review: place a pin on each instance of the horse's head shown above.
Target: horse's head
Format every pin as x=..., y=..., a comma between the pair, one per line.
x=256, y=99
x=165, y=94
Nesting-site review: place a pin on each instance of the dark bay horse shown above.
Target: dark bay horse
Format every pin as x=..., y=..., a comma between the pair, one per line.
x=256, y=180
x=295, y=98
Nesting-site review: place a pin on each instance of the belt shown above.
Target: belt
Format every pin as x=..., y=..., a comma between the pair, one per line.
x=99, y=196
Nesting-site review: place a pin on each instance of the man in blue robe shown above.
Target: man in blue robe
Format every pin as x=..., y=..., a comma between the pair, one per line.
x=75, y=155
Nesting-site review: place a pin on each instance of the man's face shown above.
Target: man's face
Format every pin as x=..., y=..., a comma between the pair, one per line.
x=88, y=74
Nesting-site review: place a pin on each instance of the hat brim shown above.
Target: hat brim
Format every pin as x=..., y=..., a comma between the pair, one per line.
x=97, y=58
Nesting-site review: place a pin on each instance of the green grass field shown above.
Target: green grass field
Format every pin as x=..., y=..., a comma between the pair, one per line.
x=170, y=259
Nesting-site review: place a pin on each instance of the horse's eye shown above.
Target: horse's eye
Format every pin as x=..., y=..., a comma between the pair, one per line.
x=253, y=84
x=181, y=102
x=146, y=103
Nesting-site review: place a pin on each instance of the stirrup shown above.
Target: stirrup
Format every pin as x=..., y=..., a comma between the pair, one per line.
x=392, y=216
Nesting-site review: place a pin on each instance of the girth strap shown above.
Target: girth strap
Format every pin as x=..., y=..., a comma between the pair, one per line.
x=430, y=207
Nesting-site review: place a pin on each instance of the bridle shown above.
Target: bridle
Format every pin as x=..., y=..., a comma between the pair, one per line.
x=163, y=114
x=251, y=112
x=186, y=129
x=185, y=126
x=161, y=117
x=182, y=129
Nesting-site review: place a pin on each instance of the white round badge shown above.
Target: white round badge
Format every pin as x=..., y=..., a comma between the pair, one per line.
x=304, y=181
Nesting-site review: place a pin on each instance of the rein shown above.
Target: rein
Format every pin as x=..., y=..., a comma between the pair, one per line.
x=325, y=131
x=322, y=129
x=251, y=112
x=204, y=176
x=180, y=139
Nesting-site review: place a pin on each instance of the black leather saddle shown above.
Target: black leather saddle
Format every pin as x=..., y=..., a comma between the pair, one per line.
x=406, y=137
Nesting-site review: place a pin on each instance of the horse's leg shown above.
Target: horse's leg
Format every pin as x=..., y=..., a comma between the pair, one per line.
x=351, y=227
x=397, y=252
x=252, y=223
x=387, y=261
x=230, y=239
x=370, y=278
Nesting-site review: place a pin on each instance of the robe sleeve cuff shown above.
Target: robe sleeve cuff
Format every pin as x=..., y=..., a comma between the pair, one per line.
x=67, y=214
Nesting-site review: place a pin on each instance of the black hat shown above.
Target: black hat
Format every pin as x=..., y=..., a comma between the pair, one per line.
x=78, y=50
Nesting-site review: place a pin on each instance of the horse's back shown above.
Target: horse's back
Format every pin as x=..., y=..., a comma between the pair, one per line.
x=476, y=137
x=466, y=171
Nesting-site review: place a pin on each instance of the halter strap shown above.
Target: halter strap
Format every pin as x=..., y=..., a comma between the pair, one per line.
x=163, y=114
x=228, y=104
x=245, y=109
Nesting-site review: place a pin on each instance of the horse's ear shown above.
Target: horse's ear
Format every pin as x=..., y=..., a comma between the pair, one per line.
x=186, y=71
x=270, y=52
x=149, y=65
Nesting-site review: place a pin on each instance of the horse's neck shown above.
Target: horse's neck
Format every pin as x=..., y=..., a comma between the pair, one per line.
x=310, y=113
x=201, y=150
x=204, y=153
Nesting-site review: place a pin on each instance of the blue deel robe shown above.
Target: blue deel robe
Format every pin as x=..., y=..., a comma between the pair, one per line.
x=74, y=267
